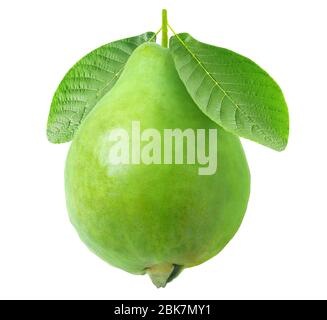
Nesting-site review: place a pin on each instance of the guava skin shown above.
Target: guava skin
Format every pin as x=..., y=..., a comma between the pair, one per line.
x=137, y=217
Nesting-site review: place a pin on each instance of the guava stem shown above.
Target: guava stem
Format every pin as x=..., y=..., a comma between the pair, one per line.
x=164, y=39
x=160, y=274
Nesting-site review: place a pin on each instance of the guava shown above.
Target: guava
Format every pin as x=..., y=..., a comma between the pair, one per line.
x=153, y=218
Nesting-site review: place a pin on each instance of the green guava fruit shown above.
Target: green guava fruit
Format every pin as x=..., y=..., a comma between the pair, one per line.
x=156, y=219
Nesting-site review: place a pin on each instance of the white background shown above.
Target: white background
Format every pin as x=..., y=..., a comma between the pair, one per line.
x=280, y=252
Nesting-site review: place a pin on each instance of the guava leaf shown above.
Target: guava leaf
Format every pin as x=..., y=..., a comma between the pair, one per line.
x=86, y=83
x=233, y=91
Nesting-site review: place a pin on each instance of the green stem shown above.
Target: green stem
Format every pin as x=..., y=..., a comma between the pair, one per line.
x=164, y=39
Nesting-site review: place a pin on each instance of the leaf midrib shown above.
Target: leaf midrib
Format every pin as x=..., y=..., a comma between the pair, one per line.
x=216, y=83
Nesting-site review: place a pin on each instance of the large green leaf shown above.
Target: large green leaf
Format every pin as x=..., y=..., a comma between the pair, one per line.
x=86, y=83
x=232, y=90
